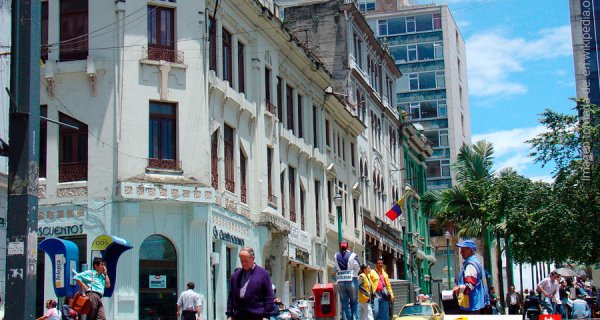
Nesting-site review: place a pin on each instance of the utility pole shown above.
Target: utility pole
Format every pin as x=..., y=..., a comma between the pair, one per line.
x=23, y=160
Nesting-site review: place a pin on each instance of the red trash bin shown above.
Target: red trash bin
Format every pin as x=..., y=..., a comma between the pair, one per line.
x=324, y=300
x=549, y=317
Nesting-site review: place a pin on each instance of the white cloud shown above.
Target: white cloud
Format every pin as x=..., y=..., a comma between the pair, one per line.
x=510, y=149
x=547, y=179
x=493, y=57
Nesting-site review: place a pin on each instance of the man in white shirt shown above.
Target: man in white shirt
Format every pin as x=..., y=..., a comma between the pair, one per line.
x=549, y=287
x=188, y=305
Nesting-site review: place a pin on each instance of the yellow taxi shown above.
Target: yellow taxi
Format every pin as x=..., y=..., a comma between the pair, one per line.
x=421, y=311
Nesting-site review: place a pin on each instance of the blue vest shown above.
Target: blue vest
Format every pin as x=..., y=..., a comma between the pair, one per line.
x=476, y=296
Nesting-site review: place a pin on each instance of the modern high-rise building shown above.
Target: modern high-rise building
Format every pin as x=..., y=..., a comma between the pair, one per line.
x=585, y=34
x=430, y=52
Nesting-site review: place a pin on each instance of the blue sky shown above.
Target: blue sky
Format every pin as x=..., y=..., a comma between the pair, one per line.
x=520, y=61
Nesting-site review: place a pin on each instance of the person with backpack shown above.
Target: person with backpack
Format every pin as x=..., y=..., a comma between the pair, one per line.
x=347, y=266
x=471, y=290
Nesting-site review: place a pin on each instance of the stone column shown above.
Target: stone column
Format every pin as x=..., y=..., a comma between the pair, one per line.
x=126, y=294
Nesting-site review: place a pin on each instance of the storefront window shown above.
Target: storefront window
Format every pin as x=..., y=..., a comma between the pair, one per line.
x=158, y=279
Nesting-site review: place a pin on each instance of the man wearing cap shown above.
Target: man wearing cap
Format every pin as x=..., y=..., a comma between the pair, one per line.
x=347, y=267
x=470, y=281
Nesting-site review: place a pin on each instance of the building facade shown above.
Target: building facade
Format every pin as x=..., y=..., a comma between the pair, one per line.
x=430, y=51
x=433, y=93
x=197, y=128
x=365, y=75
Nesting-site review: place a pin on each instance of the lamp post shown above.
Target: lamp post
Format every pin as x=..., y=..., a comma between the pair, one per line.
x=338, y=204
x=447, y=236
x=403, y=224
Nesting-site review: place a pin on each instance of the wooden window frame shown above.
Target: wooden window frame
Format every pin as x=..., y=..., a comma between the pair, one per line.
x=241, y=56
x=159, y=48
x=156, y=159
x=73, y=44
x=72, y=156
x=228, y=147
x=227, y=51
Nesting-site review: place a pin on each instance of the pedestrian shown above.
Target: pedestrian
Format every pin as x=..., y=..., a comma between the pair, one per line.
x=251, y=291
x=188, y=305
x=581, y=309
x=67, y=313
x=383, y=291
x=347, y=266
x=548, y=288
x=365, y=293
x=51, y=313
x=470, y=289
x=93, y=282
x=495, y=301
x=513, y=300
x=563, y=296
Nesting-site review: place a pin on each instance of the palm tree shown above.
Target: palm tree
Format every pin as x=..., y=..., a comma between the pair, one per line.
x=466, y=204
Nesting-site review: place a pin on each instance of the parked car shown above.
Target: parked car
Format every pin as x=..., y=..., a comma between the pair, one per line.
x=424, y=310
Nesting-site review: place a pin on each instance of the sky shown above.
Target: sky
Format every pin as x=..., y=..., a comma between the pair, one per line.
x=519, y=62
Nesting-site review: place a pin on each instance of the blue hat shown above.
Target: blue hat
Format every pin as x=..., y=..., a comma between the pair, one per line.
x=467, y=244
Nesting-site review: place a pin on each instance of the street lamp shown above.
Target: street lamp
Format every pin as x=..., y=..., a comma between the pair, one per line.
x=403, y=224
x=447, y=236
x=338, y=204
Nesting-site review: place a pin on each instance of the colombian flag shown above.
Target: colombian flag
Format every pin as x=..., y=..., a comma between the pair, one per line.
x=396, y=209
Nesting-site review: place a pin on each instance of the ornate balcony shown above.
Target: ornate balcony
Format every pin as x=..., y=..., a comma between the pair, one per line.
x=230, y=185
x=75, y=171
x=214, y=180
x=273, y=201
x=157, y=54
x=164, y=164
x=243, y=197
x=271, y=108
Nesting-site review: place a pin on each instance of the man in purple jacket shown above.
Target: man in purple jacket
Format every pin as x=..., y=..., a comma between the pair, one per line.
x=251, y=292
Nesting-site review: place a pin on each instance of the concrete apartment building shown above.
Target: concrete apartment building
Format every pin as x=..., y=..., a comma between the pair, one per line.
x=202, y=127
x=429, y=50
x=365, y=74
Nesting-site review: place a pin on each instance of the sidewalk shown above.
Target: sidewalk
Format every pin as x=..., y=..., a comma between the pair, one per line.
x=483, y=317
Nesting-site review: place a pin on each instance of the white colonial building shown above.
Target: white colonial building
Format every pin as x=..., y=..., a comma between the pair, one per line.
x=197, y=128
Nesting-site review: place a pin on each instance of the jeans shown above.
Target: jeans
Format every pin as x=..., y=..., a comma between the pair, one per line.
x=560, y=310
x=381, y=308
x=348, y=291
x=366, y=313
x=549, y=305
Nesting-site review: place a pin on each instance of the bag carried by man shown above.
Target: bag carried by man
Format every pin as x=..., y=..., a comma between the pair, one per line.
x=81, y=303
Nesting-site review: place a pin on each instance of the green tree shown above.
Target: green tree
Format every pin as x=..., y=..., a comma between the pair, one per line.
x=573, y=210
x=466, y=205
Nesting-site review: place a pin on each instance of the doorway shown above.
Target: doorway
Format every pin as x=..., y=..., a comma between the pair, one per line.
x=158, y=279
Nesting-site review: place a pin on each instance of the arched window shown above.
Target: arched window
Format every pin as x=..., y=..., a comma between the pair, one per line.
x=158, y=278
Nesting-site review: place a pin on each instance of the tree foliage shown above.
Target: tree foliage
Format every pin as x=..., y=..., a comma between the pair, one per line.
x=570, y=210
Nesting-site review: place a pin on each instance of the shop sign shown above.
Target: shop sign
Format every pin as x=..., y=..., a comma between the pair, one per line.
x=228, y=237
x=302, y=256
x=157, y=281
x=59, y=271
x=60, y=230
